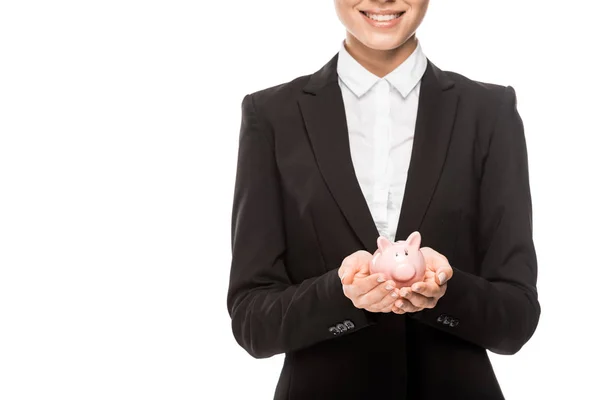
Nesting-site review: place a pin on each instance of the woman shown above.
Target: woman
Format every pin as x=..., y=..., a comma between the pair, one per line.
x=380, y=141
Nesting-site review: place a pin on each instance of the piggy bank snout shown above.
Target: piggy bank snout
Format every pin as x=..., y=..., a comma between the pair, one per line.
x=404, y=272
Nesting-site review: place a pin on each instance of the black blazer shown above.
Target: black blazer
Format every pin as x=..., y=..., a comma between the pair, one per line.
x=298, y=210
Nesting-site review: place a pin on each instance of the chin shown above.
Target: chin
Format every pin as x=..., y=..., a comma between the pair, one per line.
x=383, y=43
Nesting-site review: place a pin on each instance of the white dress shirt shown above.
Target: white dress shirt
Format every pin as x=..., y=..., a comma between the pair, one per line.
x=381, y=114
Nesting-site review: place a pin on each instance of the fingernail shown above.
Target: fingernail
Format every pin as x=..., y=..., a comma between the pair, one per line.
x=401, y=305
x=389, y=287
x=394, y=294
x=442, y=277
x=404, y=293
x=381, y=279
x=417, y=289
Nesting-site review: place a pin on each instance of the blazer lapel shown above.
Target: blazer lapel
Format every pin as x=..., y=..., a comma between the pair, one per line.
x=325, y=119
x=323, y=111
x=435, y=120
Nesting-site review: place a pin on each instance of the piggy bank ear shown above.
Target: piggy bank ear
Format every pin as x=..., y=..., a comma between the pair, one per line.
x=383, y=243
x=414, y=240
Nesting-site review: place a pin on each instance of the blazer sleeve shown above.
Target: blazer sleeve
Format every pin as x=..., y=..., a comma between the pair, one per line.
x=270, y=314
x=497, y=309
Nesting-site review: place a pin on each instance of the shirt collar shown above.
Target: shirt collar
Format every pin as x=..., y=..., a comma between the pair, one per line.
x=359, y=80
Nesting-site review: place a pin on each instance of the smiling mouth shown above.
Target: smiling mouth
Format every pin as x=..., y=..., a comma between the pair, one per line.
x=382, y=17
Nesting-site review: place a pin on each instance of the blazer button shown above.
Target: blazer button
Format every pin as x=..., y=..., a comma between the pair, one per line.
x=333, y=330
x=440, y=319
x=349, y=324
x=341, y=327
x=453, y=323
x=447, y=320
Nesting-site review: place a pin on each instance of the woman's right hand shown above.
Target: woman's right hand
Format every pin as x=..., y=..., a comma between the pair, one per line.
x=367, y=291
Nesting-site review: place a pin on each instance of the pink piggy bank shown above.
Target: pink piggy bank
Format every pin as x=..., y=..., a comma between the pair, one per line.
x=401, y=261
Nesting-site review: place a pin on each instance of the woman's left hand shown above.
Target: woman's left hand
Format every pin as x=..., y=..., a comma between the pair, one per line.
x=425, y=294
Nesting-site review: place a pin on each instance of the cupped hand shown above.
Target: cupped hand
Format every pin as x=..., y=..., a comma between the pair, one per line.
x=367, y=291
x=427, y=293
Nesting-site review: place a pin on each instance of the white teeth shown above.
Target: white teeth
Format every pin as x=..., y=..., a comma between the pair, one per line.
x=378, y=17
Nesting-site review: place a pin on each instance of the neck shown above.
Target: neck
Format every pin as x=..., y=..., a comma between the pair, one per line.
x=379, y=62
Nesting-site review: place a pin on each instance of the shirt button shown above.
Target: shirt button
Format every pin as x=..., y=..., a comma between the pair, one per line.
x=334, y=331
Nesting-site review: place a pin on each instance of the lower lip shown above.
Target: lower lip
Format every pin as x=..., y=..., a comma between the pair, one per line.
x=383, y=24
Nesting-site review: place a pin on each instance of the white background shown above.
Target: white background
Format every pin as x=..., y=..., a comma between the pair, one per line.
x=119, y=123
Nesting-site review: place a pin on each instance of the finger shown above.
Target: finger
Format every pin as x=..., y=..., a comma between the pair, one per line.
x=387, y=302
x=364, y=285
x=397, y=310
x=406, y=305
x=377, y=294
x=438, y=263
x=428, y=289
x=360, y=286
x=352, y=264
x=348, y=269
x=418, y=300
x=443, y=274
